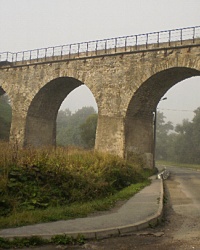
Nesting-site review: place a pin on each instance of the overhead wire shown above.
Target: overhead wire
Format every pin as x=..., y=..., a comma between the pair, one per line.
x=178, y=110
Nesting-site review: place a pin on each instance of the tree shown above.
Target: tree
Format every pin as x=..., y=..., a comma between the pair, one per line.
x=162, y=136
x=182, y=146
x=183, y=142
x=5, y=117
x=88, y=130
x=187, y=143
x=68, y=126
x=63, y=117
x=196, y=136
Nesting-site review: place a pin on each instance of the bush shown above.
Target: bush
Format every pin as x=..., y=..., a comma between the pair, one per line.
x=36, y=179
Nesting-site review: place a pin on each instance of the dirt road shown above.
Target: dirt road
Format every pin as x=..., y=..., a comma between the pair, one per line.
x=180, y=229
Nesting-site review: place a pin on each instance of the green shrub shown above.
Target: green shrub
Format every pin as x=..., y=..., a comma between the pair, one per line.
x=37, y=179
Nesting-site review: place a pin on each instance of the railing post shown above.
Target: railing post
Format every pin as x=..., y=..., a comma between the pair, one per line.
x=87, y=49
x=45, y=54
x=23, y=57
x=115, y=44
x=53, y=52
x=181, y=36
x=37, y=54
x=193, y=34
x=146, y=40
x=96, y=47
x=158, y=39
x=70, y=51
x=61, y=52
x=136, y=41
x=105, y=46
x=125, y=43
x=78, y=48
x=169, y=37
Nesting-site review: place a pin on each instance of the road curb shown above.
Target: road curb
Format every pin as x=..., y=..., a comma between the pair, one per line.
x=113, y=231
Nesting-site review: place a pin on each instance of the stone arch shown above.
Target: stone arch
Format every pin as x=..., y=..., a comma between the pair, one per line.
x=40, y=129
x=139, y=116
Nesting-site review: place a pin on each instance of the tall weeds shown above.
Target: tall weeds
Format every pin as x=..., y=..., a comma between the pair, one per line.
x=40, y=178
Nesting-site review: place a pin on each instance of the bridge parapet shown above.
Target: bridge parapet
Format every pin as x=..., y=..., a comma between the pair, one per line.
x=126, y=44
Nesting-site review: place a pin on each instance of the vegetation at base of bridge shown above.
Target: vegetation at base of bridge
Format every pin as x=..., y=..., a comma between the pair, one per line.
x=39, y=185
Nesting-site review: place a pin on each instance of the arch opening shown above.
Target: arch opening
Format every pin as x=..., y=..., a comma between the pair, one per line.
x=42, y=114
x=77, y=119
x=178, y=124
x=5, y=115
x=139, y=120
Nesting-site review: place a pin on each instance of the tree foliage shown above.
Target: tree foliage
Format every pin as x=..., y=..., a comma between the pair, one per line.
x=88, y=130
x=69, y=127
x=183, y=145
x=5, y=118
x=163, y=140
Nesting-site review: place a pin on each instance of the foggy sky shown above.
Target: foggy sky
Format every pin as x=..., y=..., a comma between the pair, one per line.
x=30, y=24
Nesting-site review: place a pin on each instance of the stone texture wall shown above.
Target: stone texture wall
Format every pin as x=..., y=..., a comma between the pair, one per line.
x=127, y=89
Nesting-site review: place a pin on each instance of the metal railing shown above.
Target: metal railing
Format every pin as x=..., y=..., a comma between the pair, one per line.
x=105, y=46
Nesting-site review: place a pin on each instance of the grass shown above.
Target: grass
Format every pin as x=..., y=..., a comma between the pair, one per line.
x=76, y=210
x=182, y=165
x=38, y=241
x=52, y=184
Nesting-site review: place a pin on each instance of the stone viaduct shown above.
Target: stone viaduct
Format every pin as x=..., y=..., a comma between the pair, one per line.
x=127, y=82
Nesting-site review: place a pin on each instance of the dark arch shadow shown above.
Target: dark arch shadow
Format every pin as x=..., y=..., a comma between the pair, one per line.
x=1, y=91
x=139, y=116
x=41, y=117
